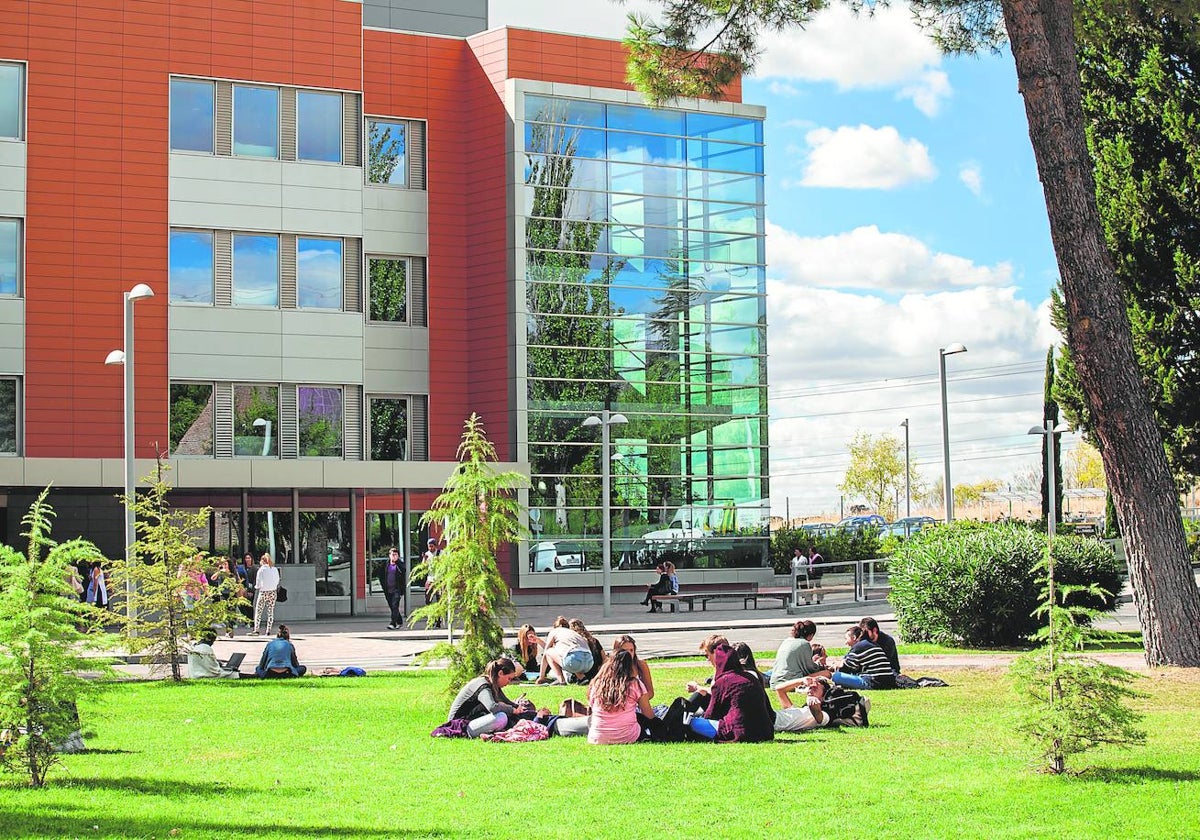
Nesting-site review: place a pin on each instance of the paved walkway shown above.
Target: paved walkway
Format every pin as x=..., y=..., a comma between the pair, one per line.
x=365, y=641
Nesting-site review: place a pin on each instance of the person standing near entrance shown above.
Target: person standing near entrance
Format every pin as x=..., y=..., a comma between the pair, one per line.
x=391, y=580
x=427, y=558
x=267, y=586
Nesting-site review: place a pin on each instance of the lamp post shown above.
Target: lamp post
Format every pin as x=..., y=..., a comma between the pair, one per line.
x=907, y=475
x=126, y=357
x=947, y=487
x=606, y=419
x=260, y=423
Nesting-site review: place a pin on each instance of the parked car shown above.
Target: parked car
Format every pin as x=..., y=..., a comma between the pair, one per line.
x=907, y=526
x=818, y=529
x=545, y=557
x=857, y=524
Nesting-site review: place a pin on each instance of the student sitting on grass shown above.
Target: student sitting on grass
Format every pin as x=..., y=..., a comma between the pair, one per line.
x=279, y=658
x=794, y=660
x=594, y=648
x=626, y=642
x=203, y=663
x=738, y=708
x=871, y=630
x=865, y=666
x=482, y=700
x=528, y=650
x=567, y=653
x=617, y=696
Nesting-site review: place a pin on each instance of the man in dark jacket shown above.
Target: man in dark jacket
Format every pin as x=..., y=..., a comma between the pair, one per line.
x=391, y=581
x=871, y=628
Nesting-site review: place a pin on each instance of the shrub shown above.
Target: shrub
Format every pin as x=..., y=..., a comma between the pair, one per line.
x=974, y=584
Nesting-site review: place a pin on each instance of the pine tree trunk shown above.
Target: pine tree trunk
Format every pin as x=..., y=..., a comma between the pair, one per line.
x=1043, y=43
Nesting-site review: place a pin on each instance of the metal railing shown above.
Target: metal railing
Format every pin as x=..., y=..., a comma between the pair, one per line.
x=864, y=580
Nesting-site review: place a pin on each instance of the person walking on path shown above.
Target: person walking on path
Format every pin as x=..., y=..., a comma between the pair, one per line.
x=391, y=581
x=267, y=586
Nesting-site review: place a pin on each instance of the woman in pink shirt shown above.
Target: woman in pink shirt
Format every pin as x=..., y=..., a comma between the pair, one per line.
x=616, y=696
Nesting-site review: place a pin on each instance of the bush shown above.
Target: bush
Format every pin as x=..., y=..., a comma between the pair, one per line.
x=974, y=584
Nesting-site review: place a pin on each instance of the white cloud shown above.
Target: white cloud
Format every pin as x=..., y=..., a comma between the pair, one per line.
x=867, y=258
x=862, y=157
x=972, y=177
x=883, y=50
x=841, y=363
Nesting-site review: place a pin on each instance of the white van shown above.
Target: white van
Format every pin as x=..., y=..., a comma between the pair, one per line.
x=544, y=557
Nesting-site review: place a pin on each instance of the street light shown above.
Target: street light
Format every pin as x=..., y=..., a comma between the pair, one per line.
x=606, y=419
x=947, y=487
x=260, y=423
x=907, y=476
x=126, y=357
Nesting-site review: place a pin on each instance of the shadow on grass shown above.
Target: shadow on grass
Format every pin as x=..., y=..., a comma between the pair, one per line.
x=134, y=784
x=1128, y=775
x=93, y=751
x=128, y=825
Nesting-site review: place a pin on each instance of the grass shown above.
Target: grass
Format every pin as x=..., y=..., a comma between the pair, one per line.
x=353, y=758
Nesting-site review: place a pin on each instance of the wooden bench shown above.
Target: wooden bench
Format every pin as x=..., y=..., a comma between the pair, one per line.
x=748, y=594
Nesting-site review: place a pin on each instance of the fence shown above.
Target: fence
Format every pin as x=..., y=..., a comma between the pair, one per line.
x=861, y=580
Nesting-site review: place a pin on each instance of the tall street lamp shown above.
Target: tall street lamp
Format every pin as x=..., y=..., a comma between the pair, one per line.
x=947, y=487
x=907, y=475
x=260, y=423
x=606, y=419
x=125, y=357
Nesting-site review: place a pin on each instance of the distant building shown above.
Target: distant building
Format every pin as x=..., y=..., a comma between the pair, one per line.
x=363, y=221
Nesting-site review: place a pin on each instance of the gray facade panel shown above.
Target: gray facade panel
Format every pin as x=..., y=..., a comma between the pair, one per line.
x=436, y=17
x=12, y=178
x=12, y=335
x=396, y=360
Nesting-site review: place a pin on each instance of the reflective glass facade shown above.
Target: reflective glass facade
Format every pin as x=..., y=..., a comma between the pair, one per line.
x=644, y=280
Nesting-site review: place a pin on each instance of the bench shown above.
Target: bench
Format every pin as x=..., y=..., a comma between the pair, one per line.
x=748, y=594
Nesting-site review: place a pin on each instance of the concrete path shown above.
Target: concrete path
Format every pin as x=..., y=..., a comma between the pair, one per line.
x=365, y=641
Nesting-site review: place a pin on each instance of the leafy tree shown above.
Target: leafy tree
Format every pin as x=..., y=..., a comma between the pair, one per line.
x=1140, y=68
x=1050, y=415
x=43, y=638
x=159, y=621
x=1073, y=703
x=876, y=471
x=481, y=514
x=1084, y=469
x=976, y=493
x=664, y=63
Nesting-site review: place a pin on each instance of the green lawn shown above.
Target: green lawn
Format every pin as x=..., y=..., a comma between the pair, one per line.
x=353, y=758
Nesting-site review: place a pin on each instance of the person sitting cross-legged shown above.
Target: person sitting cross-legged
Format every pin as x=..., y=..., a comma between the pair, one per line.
x=279, y=658
x=866, y=666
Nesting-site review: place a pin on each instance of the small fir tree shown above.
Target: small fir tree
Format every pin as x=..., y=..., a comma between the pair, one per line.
x=167, y=607
x=1073, y=702
x=44, y=634
x=481, y=514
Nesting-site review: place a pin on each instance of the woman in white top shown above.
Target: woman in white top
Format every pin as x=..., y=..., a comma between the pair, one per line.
x=266, y=586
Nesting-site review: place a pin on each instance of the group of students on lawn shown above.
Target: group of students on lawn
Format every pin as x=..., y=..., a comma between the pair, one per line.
x=734, y=706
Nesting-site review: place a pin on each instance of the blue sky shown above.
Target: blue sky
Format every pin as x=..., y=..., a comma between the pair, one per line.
x=904, y=214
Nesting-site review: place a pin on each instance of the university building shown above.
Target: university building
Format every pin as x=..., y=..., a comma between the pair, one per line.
x=362, y=222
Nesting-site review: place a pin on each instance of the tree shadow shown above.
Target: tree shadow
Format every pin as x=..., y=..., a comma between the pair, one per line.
x=1133, y=775
x=80, y=822
x=92, y=751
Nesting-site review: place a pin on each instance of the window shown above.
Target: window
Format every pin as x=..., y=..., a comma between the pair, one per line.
x=386, y=159
x=12, y=100
x=191, y=266
x=10, y=256
x=10, y=411
x=388, y=282
x=319, y=126
x=320, y=419
x=255, y=121
x=318, y=273
x=255, y=270
x=191, y=419
x=256, y=420
x=389, y=429
x=191, y=116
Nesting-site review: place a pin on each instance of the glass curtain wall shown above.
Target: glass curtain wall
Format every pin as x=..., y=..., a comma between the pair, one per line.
x=645, y=287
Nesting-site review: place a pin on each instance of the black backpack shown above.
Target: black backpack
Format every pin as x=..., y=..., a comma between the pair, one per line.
x=840, y=703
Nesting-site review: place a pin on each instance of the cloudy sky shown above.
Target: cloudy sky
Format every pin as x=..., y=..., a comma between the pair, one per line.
x=904, y=215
